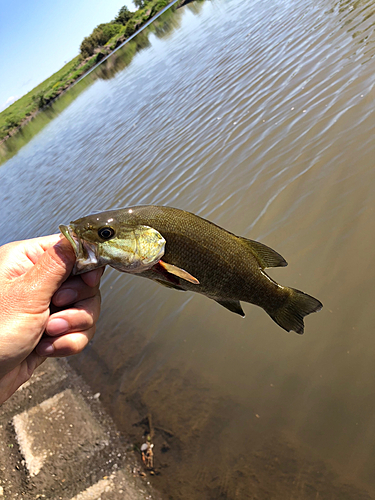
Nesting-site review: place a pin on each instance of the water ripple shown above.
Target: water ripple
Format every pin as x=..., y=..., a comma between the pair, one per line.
x=261, y=118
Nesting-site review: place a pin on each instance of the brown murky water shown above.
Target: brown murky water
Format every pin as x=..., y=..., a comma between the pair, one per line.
x=259, y=117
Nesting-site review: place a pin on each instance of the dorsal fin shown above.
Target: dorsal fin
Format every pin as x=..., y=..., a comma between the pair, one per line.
x=264, y=254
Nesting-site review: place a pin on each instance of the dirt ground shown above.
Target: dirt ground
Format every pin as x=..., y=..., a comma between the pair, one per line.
x=57, y=442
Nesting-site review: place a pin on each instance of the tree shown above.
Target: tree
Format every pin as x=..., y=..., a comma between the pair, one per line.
x=139, y=3
x=123, y=16
x=103, y=32
x=87, y=47
x=130, y=28
x=100, y=36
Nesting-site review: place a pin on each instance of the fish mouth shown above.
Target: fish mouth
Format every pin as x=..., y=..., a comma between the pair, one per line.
x=86, y=253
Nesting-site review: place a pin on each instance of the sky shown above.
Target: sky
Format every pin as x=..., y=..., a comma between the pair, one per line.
x=37, y=37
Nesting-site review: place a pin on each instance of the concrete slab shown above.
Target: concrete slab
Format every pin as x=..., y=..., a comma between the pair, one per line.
x=58, y=432
x=115, y=487
x=94, y=492
x=57, y=442
x=47, y=380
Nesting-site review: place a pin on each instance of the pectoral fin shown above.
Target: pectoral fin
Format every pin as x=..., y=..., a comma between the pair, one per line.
x=170, y=272
x=232, y=305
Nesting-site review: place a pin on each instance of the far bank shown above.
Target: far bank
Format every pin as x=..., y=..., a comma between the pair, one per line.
x=15, y=121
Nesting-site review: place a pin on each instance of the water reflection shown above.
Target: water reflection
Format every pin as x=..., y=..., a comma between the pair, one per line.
x=263, y=123
x=359, y=19
x=171, y=21
x=162, y=26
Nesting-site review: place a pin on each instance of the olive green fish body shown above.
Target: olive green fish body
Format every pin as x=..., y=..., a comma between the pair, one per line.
x=222, y=262
x=226, y=267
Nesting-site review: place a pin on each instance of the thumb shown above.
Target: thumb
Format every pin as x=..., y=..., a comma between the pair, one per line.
x=48, y=274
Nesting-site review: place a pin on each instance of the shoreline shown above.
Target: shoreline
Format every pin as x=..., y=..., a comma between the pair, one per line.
x=101, y=54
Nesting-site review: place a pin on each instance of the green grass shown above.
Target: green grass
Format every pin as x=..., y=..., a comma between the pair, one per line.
x=13, y=116
x=18, y=113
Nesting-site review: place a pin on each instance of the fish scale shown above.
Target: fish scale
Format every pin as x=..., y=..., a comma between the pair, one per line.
x=198, y=256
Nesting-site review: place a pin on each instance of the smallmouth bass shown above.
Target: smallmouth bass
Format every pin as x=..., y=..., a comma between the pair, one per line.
x=185, y=252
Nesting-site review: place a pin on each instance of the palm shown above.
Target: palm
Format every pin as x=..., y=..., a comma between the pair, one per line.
x=19, y=375
x=31, y=272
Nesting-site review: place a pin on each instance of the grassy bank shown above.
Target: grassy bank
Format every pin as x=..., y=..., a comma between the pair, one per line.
x=25, y=108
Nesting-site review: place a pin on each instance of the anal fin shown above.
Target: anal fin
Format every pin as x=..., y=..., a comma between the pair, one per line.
x=232, y=305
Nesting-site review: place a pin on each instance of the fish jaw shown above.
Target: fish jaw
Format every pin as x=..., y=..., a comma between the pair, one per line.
x=86, y=253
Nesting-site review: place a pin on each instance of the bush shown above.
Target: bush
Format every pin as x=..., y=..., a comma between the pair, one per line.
x=130, y=28
x=139, y=3
x=11, y=123
x=104, y=32
x=124, y=15
x=87, y=47
x=159, y=6
x=99, y=37
x=40, y=99
x=113, y=41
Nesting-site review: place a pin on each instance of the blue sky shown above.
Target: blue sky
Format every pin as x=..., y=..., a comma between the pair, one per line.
x=38, y=36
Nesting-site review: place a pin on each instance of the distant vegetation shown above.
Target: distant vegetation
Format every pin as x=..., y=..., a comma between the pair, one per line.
x=103, y=40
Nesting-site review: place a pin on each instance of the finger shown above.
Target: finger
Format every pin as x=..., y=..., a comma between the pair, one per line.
x=82, y=317
x=43, y=279
x=19, y=256
x=36, y=247
x=65, y=345
x=74, y=289
x=92, y=278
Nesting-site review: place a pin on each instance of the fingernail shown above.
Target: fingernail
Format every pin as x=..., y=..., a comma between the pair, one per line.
x=45, y=349
x=64, y=297
x=57, y=326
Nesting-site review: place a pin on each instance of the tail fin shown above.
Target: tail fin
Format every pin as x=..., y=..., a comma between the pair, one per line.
x=299, y=305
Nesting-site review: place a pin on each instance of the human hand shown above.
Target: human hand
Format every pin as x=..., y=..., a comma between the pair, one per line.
x=34, y=279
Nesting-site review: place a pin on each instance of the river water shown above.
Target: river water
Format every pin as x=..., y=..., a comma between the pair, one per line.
x=260, y=117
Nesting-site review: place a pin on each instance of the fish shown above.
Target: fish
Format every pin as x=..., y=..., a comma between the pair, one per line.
x=185, y=252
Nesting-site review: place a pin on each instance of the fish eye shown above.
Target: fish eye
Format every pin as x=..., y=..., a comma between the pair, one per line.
x=106, y=233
